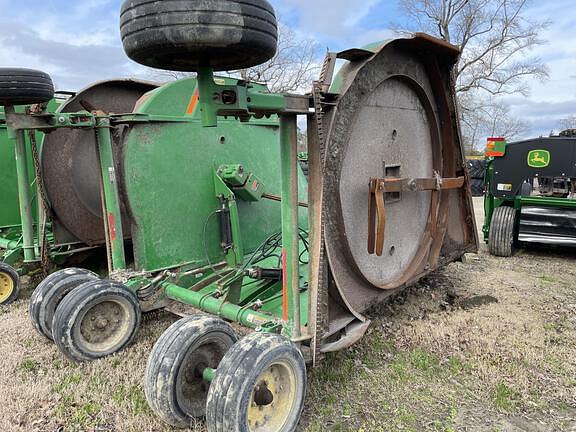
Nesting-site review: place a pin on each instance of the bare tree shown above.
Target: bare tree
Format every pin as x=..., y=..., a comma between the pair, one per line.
x=495, y=38
x=291, y=70
x=568, y=123
x=488, y=118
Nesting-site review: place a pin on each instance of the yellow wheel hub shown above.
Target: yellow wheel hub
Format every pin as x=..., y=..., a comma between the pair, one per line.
x=273, y=399
x=6, y=286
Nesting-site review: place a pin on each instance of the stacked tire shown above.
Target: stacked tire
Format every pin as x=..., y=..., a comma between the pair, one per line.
x=476, y=168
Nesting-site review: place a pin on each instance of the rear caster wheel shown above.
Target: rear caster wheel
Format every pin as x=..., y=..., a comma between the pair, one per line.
x=260, y=386
x=174, y=384
x=502, y=232
x=96, y=320
x=186, y=34
x=24, y=87
x=9, y=284
x=50, y=292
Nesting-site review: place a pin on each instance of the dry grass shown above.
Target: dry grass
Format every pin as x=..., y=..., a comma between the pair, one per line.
x=442, y=357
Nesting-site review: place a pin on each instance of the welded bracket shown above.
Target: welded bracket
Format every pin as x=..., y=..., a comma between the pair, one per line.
x=379, y=187
x=229, y=221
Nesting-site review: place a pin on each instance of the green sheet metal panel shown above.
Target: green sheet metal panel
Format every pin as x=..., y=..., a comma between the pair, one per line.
x=9, y=212
x=9, y=209
x=168, y=179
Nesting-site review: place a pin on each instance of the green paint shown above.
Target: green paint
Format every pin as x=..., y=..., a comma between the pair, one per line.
x=169, y=180
x=238, y=99
x=539, y=158
x=208, y=374
x=208, y=303
x=25, y=199
x=113, y=221
x=234, y=255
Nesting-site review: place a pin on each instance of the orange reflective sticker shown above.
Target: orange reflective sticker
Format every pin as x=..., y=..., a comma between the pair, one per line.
x=193, y=103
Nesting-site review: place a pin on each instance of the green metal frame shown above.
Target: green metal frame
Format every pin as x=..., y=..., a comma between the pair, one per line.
x=21, y=211
x=227, y=291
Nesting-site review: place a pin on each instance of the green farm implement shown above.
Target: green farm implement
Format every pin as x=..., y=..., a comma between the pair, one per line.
x=196, y=192
x=530, y=193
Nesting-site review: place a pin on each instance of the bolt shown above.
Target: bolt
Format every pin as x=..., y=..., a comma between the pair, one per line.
x=101, y=323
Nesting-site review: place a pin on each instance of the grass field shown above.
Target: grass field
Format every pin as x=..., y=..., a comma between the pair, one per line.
x=485, y=345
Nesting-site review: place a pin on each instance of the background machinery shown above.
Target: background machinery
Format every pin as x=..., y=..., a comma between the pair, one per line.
x=530, y=194
x=203, y=204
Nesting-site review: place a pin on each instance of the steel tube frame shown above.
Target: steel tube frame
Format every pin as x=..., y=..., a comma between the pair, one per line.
x=208, y=303
x=113, y=215
x=290, y=229
x=25, y=201
x=8, y=244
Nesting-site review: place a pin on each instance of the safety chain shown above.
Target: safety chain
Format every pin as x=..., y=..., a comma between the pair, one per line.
x=45, y=260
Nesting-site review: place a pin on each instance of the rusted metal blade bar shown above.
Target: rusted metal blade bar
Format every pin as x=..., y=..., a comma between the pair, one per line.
x=377, y=203
x=421, y=184
x=377, y=218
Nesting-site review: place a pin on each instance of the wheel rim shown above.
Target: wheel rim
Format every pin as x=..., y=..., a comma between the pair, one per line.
x=106, y=325
x=191, y=387
x=6, y=286
x=273, y=398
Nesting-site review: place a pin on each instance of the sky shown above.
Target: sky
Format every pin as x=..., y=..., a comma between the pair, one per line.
x=78, y=43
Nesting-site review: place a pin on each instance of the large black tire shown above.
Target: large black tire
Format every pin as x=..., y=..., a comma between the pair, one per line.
x=174, y=386
x=502, y=234
x=9, y=284
x=259, y=386
x=24, y=87
x=183, y=35
x=50, y=292
x=477, y=186
x=96, y=320
x=476, y=168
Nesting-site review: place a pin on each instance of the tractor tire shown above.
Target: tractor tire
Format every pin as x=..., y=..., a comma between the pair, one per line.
x=260, y=384
x=476, y=168
x=96, y=320
x=50, y=292
x=503, y=232
x=477, y=186
x=183, y=35
x=9, y=284
x=24, y=87
x=174, y=385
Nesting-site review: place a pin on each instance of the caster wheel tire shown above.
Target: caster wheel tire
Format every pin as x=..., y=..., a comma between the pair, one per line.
x=259, y=386
x=174, y=384
x=24, y=87
x=477, y=186
x=50, y=292
x=96, y=320
x=503, y=232
x=183, y=35
x=476, y=168
x=9, y=284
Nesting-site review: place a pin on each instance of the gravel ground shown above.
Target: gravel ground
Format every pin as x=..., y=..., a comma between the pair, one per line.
x=485, y=345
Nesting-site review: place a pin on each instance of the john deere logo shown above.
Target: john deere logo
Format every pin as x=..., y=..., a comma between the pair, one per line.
x=539, y=158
